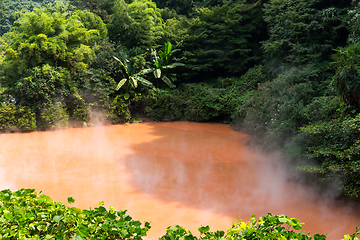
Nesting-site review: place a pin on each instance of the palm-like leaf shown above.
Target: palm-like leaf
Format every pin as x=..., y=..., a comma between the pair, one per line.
x=121, y=83
x=168, y=82
x=157, y=73
x=154, y=55
x=133, y=82
x=143, y=81
x=167, y=48
x=125, y=66
x=145, y=71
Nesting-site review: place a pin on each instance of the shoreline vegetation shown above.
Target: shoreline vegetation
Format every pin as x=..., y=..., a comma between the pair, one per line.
x=27, y=214
x=284, y=71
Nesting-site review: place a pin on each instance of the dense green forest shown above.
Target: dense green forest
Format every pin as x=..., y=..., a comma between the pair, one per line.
x=285, y=71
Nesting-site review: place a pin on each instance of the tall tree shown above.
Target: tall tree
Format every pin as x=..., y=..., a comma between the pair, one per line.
x=303, y=31
x=44, y=51
x=223, y=40
x=136, y=25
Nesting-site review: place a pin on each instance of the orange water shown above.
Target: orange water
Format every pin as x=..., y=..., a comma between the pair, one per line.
x=190, y=174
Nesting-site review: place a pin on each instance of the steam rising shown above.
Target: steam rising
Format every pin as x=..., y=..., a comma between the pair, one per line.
x=167, y=173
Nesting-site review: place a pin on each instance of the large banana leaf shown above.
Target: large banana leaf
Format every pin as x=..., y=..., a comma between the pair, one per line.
x=167, y=48
x=145, y=71
x=123, y=65
x=144, y=81
x=133, y=82
x=157, y=73
x=154, y=55
x=121, y=83
x=168, y=82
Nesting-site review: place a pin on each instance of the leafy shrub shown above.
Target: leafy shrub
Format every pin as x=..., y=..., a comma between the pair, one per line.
x=311, y=30
x=54, y=116
x=203, y=102
x=25, y=214
x=335, y=146
x=267, y=227
x=219, y=39
x=45, y=51
x=347, y=76
x=14, y=118
x=194, y=102
x=275, y=110
x=41, y=86
x=119, y=110
x=77, y=108
x=11, y=11
x=324, y=108
x=164, y=105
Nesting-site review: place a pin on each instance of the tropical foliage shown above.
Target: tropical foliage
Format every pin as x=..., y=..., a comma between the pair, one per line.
x=43, y=52
x=26, y=214
x=286, y=71
x=131, y=80
x=162, y=62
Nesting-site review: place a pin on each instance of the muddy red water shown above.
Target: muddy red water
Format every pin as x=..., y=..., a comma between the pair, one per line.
x=188, y=174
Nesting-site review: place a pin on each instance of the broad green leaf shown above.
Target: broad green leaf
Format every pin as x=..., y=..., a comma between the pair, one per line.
x=76, y=237
x=71, y=200
x=84, y=232
x=121, y=83
x=145, y=71
x=167, y=48
x=157, y=73
x=76, y=210
x=124, y=232
x=122, y=64
x=154, y=55
x=283, y=219
x=144, y=81
x=243, y=225
x=272, y=219
x=57, y=218
x=202, y=230
x=168, y=82
x=119, y=61
x=8, y=216
x=126, y=96
x=162, y=55
x=133, y=82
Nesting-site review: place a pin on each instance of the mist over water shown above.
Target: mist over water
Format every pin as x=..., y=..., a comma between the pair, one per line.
x=190, y=174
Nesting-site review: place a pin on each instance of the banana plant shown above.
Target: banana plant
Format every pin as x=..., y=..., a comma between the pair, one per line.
x=131, y=80
x=162, y=61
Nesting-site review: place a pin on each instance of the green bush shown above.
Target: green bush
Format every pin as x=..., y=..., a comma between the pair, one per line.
x=54, y=116
x=267, y=227
x=164, y=105
x=118, y=110
x=44, y=53
x=334, y=145
x=275, y=111
x=194, y=102
x=77, y=108
x=25, y=214
x=13, y=118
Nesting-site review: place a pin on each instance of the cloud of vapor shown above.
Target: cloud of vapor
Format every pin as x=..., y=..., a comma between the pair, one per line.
x=189, y=174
